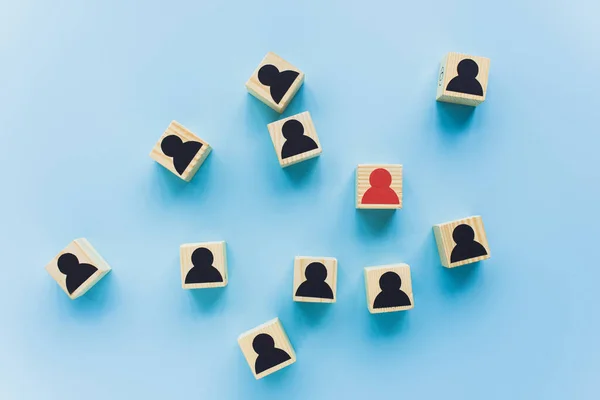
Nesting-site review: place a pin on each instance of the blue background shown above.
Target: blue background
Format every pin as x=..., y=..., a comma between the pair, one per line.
x=87, y=88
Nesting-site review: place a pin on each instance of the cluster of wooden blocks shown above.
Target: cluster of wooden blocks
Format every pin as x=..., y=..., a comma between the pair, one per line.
x=462, y=79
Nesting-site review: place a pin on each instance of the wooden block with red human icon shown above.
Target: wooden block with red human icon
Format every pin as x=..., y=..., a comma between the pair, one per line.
x=379, y=186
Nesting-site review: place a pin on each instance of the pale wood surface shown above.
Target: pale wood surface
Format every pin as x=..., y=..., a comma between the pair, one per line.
x=445, y=243
x=278, y=139
x=262, y=92
x=219, y=252
x=300, y=264
x=85, y=253
x=275, y=330
x=175, y=128
x=363, y=172
x=448, y=71
x=372, y=275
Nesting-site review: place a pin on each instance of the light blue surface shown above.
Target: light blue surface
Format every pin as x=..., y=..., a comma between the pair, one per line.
x=87, y=88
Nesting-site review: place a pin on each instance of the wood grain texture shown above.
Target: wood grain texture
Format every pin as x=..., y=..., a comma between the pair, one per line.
x=276, y=331
x=448, y=71
x=85, y=253
x=175, y=128
x=219, y=251
x=300, y=264
x=278, y=139
x=262, y=92
x=445, y=243
x=372, y=275
x=363, y=172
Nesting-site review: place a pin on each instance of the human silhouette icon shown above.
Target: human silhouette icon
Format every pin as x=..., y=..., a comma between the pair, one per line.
x=315, y=285
x=269, y=356
x=203, y=271
x=278, y=82
x=391, y=295
x=466, y=81
x=182, y=153
x=295, y=140
x=380, y=191
x=466, y=246
x=77, y=273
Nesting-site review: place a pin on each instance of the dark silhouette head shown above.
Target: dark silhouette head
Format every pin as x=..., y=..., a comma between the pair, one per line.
x=170, y=145
x=67, y=263
x=292, y=129
x=202, y=257
x=462, y=234
x=380, y=178
x=267, y=74
x=263, y=343
x=467, y=68
x=390, y=281
x=315, y=271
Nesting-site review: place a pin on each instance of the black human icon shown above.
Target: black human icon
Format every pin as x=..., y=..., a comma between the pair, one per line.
x=182, y=153
x=295, y=140
x=203, y=270
x=77, y=273
x=391, y=295
x=315, y=285
x=278, y=82
x=269, y=356
x=466, y=81
x=466, y=246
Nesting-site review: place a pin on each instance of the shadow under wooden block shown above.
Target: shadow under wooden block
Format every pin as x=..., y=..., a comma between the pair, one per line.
x=389, y=288
x=77, y=268
x=461, y=242
x=463, y=79
x=295, y=139
x=315, y=279
x=267, y=348
x=275, y=82
x=180, y=151
x=203, y=265
x=379, y=186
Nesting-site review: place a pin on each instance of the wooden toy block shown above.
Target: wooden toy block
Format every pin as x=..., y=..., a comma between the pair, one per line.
x=267, y=348
x=315, y=279
x=379, y=186
x=295, y=139
x=77, y=268
x=463, y=79
x=389, y=288
x=180, y=151
x=461, y=242
x=275, y=82
x=203, y=265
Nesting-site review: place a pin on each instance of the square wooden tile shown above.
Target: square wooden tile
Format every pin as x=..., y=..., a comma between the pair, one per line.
x=77, y=268
x=379, y=186
x=203, y=265
x=180, y=151
x=389, y=288
x=463, y=79
x=275, y=82
x=461, y=242
x=315, y=279
x=294, y=139
x=267, y=348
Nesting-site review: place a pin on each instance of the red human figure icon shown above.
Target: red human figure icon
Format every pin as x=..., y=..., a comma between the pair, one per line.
x=380, y=191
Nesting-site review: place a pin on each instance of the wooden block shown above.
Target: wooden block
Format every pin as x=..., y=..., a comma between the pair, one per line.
x=180, y=151
x=379, y=186
x=389, y=288
x=267, y=348
x=461, y=242
x=203, y=265
x=295, y=139
x=77, y=268
x=463, y=79
x=315, y=279
x=275, y=82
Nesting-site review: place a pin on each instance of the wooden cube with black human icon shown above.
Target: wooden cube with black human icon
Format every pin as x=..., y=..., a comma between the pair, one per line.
x=461, y=242
x=389, y=288
x=203, y=265
x=315, y=279
x=463, y=79
x=294, y=139
x=379, y=186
